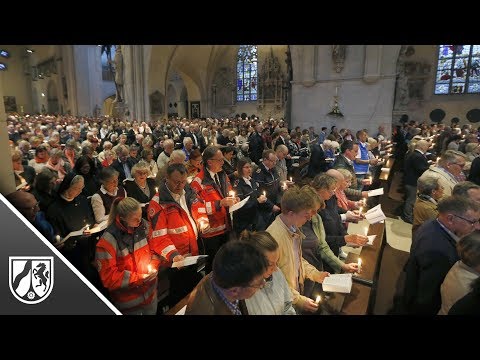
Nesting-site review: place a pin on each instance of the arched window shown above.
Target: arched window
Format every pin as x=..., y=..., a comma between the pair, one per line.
x=458, y=70
x=247, y=79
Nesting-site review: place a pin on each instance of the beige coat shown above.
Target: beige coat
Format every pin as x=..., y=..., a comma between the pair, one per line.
x=423, y=210
x=282, y=234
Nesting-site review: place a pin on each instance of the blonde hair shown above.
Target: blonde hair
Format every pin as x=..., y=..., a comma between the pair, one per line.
x=122, y=207
x=142, y=165
x=295, y=200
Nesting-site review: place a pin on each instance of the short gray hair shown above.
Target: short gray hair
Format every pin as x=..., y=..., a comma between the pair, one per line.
x=427, y=184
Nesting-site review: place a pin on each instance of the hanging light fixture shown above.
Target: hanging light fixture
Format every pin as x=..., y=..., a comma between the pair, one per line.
x=335, y=112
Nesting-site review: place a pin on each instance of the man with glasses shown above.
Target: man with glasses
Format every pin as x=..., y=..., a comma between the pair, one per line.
x=433, y=253
x=237, y=274
x=214, y=189
x=176, y=215
x=269, y=183
x=28, y=206
x=449, y=170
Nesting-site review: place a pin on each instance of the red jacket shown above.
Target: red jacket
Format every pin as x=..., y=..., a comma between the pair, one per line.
x=122, y=257
x=171, y=231
x=211, y=194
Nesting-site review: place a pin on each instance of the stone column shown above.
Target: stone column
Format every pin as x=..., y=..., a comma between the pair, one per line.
x=137, y=102
x=373, y=63
x=7, y=180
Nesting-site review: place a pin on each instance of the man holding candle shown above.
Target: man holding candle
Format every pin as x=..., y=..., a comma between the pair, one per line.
x=176, y=216
x=213, y=186
x=269, y=184
x=296, y=211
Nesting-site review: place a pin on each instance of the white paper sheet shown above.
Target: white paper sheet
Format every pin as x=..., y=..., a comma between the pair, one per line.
x=99, y=227
x=375, y=215
x=182, y=311
x=371, y=238
x=375, y=192
x=341, y=283
x=239, y=205
x=190, y=260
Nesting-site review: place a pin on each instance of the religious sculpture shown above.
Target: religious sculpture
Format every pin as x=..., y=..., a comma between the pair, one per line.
x=338, y=56
x=118, y=64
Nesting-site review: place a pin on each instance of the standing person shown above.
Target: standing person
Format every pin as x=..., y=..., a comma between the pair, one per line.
x=213, y=187
x=296, y=211
x=268, y=183
x=433, y=253
x=275, y=298
x=176, y=215
x=109, y=190
x=237, y=274
x=246, y=218
x=463, y=273
x=415, y=165
x=125, y=262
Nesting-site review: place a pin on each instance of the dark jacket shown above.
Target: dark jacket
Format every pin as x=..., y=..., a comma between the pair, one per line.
x=317, y=163
x=204, y=300
x=247, y=216
x=119, y=167
x=432, y=254
x=415, y=165
x=334, y=229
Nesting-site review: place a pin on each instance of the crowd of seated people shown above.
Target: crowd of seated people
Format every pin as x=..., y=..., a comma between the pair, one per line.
x=163, y=192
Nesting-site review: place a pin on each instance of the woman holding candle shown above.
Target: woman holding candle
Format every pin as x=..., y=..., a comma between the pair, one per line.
x=125, y=262
x=315, y=249
x=246, y=218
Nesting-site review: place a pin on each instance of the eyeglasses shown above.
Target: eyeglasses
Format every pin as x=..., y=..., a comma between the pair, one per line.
x=461, y=165
x=258, y=286
x=472, y=222
x=31, y=208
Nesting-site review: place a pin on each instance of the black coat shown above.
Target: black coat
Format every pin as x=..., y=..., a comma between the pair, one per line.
x=134, y=191
x=317, y=163
x=247, y=216
x=415, y=165
x=334, y=230
x=432, y=254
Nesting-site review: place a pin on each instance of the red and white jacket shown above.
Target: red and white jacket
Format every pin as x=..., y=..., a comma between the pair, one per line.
x=171, y=231
x=211, y=194
x=122, y=258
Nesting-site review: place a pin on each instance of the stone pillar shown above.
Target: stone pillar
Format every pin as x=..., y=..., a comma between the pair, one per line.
x=309, y=65
x=373, y=63
x=7, y=180
x=137, y=102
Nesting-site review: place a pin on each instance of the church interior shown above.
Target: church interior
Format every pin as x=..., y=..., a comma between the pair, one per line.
x=381, y=127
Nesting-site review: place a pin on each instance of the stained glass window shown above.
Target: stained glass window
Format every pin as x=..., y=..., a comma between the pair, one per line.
x=247, y=79
x=458, y=70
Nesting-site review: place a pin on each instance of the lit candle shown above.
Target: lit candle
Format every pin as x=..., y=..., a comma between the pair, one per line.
x=359, y=265
x=231, y=193
x=438, y=158
x=57, y=238
x=291, y=179
x=360, y=210
x=156, y=189
x=265, y=193
x=87, y=227
x=203, y=225
x=150, y=269
x=318, y=299
x=336, y=90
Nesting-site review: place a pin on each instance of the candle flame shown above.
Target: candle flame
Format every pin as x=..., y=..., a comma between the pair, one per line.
x=264, y=193
x=318, y=299
x=156, y=189
x=149, y=267
x=359, y=262
x=231, y=193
